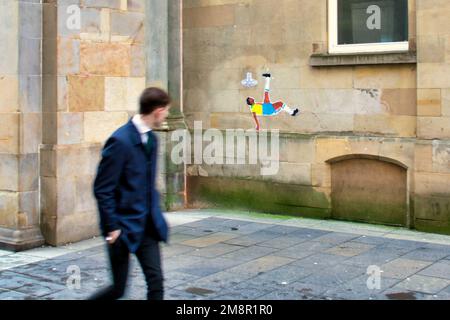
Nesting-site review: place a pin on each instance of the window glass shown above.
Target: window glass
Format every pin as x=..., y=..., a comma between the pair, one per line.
x=365, y=21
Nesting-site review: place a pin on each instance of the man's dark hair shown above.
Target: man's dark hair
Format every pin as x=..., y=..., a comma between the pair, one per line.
x=152, y=99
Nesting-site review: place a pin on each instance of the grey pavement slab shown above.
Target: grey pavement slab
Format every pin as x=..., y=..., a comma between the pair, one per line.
x=207, y=267
x=423, y=284
x=403, y=268
x=319, y=261
x=249, y=253
x=440, y=269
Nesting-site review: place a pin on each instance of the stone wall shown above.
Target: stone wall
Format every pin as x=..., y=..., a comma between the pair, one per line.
x=385, y=111
x=20, y=118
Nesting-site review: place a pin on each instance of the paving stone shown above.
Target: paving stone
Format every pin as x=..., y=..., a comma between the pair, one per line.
x=180, y=262
x=309, y=234
x=406, y=243
x=207, y=267
x=336, y=238
x=181, y=295
x=358, y=289
x=283, y=242
x=5, y=253
x=260, y=265
x=304, y=249
x=176, y=249
x=335, y=276
x=403, y=268
x=427, y=254
x=242, y=293
x=319, y=261
x=284, y=230
x=28, y=285
x=251, y=228
x=217, y=281
x=440, y=269
x=371, y=240
x=215, y=250
x=254, y=238
x=14, y=295
x=178, y=238
x=15, y=260
x=281, y=276
x=423, y=284
x=209, y=240
x=198, y=232
x=350, y=249
x=250, y=253
x=376, y=256
x=298, y=291
x=176, y=278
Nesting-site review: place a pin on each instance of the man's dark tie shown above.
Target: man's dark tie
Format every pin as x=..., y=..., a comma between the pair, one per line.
x=149, y=144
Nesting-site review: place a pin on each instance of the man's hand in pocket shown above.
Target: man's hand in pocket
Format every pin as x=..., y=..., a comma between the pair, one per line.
x=113, y=236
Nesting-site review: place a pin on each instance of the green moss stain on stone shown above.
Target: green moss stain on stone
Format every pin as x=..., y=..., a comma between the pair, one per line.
x=259, y=196
x=432, y=214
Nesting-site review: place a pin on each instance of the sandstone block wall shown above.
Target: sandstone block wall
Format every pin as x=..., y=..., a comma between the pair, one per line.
x=394, y=113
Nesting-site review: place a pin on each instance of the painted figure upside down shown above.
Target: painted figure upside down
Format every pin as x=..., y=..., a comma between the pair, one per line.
x=267, y=108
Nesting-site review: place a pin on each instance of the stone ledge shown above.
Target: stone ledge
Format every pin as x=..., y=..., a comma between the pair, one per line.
x=328, y=60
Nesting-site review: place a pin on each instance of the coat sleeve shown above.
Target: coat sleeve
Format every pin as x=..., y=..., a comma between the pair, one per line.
x=106, y=183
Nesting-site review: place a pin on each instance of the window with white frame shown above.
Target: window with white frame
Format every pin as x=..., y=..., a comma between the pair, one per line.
x=364, y=26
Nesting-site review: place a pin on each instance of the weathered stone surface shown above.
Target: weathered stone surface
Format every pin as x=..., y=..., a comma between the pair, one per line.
x=9, y=15
x=8, y=209
x=9, y=171
x=127, y=24
x=113, y=4
x=137, y=61
x=68, y=56
x=136, y=5
x=9, y=94
x=30, y=132
x=98, y=126
x=29, y=172
x=70, y=128
x=30, y=97
x=429, y=102
x=112, y=59
x=433, y=127
x=86, y=93
x=385, y=77
x=212, y=16
x=122, y=94
x=9, y=133
x=398, y=126
x=30, y=62
x=29, y=209
x=84, y=194
x=401, y=102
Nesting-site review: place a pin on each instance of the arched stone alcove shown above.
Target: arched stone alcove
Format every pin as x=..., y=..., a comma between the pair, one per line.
x=369, y=189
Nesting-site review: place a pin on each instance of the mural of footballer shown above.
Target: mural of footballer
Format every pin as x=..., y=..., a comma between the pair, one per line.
x=267, y=108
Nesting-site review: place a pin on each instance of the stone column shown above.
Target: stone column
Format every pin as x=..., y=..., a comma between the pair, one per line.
x=20, y=116
x=94, y=72
x=164, y=65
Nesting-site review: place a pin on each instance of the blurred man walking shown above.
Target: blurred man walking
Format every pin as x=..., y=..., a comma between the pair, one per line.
x=128, y=202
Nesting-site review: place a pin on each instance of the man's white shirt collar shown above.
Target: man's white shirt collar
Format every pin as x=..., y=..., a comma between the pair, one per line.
x=141, y=127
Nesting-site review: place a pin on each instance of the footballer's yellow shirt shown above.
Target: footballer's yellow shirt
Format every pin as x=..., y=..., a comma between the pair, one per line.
x=257, y=108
